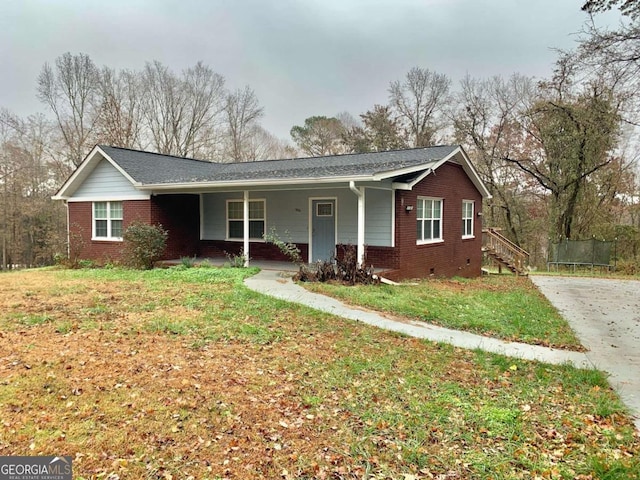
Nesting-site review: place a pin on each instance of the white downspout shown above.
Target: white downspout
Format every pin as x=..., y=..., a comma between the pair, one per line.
x=246, y=228
x=66, y=207
x=360, y=247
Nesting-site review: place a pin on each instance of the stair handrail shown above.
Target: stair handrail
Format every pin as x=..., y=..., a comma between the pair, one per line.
x=503, y=245
x=494, y=232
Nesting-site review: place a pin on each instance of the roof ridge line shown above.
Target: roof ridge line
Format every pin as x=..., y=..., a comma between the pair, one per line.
x=350, y=154
x=160, y=154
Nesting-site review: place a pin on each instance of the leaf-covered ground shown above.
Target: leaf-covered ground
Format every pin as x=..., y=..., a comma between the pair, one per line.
x=184, y=373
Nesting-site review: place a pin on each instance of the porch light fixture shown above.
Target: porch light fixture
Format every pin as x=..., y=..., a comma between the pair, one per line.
x=408, y=208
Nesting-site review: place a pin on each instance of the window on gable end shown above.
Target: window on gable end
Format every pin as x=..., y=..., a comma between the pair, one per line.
x=429, y=220
x=467, y=219
x=107, y=220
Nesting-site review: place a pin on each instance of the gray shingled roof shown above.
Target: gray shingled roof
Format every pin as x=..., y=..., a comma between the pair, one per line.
x=152, y=168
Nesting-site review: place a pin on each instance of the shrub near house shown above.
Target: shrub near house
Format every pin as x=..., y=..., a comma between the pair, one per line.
x=144, y=244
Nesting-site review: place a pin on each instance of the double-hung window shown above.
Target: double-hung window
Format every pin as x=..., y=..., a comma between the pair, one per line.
x=107, y=220
x=429, y=216
x=235, y=219
x=467, y=219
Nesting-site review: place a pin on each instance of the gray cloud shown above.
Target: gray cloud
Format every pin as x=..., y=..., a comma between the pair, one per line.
x=303, y=58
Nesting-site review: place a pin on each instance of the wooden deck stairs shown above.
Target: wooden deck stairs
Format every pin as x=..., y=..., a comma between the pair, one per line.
x=504, y=252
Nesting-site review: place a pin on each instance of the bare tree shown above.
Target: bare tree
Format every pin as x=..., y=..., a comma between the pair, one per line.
x=71, y=89
x=418, y=101
x=485, y=121
x=31, y=228
x=206, y=102
x=347, y=120
x=262, y=145
x=242, y=111
x=612, y=54
x=182, y=112
x=161, y=89
x=120, y=119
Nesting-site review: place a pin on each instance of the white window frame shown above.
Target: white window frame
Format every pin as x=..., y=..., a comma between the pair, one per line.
x=241, y=202
x=467, y=219
x=109, y=219
x=430, y=217
x=318, y=214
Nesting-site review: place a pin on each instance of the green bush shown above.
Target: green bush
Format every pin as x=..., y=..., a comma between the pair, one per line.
x=85, y=263
x=188, y=262
x=144, y=244
x=238, y=260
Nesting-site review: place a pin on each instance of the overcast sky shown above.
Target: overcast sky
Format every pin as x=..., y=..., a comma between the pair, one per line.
x=302, y=57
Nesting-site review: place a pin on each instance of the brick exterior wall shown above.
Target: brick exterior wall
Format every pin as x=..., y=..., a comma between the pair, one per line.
x=453, y=257
x=178, y=214
x=80, y=228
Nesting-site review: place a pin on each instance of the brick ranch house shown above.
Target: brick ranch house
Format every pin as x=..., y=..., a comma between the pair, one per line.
x=414, y=213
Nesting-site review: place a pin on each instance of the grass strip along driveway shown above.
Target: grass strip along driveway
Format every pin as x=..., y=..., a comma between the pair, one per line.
x=502, y=306
x=185, y=373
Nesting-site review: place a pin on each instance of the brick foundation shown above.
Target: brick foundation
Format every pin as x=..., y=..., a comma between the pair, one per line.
x=257, y=250
x=382, y=257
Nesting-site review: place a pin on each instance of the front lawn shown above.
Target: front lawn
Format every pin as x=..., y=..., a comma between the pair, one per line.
x=185, y=373
x=507, y=307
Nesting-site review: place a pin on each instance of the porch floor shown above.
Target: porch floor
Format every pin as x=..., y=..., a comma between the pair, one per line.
x=280, y=266
x=222, y=261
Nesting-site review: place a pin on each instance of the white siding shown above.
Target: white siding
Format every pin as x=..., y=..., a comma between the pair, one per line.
x=106, y=182
x=288, y=212
x=378, y=218
x=213, y=215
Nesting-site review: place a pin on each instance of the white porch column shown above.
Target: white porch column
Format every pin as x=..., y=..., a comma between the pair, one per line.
x=360, y=247
x=245, y=222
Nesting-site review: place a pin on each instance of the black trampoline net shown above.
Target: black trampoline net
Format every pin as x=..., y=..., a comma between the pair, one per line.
x=585, y=252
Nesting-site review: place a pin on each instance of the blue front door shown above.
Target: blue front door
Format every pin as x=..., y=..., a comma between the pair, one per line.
x=323, y=229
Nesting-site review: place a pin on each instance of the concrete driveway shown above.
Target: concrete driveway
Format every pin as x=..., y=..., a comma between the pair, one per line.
x=605, y=314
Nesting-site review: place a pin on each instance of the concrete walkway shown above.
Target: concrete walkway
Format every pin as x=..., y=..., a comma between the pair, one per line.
x=278, y=284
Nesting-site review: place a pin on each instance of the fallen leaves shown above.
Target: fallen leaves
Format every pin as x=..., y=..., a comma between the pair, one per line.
x=346, y=401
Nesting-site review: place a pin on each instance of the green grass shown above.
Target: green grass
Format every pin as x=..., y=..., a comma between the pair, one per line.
x=185, y=372
x=504, y=306
x=402, y=404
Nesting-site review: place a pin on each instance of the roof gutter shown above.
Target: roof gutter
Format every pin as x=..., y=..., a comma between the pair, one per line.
x=245, y=183
x=414, y=182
